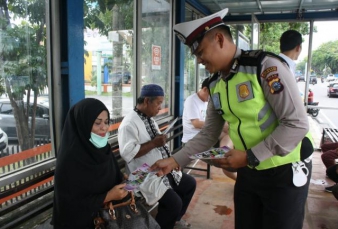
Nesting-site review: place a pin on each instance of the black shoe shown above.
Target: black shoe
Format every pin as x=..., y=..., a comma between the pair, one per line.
x=329, y=189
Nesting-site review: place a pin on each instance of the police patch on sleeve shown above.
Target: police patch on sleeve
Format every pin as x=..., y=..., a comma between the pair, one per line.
x=268, y=70
x=275, y=85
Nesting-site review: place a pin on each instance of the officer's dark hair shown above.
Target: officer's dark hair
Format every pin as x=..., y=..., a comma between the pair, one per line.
x=205, y=83
x=225, y=30
x=289, y=40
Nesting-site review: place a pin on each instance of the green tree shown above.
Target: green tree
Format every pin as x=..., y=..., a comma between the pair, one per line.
x=270, y=33
x=23, y=61
x=326, y=57
x=301, y=65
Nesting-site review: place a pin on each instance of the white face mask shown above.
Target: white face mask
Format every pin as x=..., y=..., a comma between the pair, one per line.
x=98, y=141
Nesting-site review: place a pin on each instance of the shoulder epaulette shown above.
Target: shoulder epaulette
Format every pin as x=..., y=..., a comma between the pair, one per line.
x=255, y=58
x=251, y=57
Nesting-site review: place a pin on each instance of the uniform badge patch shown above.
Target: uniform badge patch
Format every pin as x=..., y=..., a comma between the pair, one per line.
x=244, y=91
x=268, y=70
x=275, y=85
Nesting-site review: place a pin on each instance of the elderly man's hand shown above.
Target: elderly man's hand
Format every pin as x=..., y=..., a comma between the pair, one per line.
x=164, y=166
x=160, y=140
x=234, y=159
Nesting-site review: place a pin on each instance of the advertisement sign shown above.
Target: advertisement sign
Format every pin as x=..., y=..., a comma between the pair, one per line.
x=156, y=57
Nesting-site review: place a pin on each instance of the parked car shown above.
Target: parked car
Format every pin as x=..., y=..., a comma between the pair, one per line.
x=332, y=90
x=301, y=78
x=3, y=140
x=8, y=122
x=313, y=80
x=330, y=77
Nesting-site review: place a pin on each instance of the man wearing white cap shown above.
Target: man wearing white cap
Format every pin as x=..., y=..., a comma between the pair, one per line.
x=256, y=93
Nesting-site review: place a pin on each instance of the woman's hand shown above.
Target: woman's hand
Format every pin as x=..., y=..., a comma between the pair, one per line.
x=116, y=193
x=125, y=176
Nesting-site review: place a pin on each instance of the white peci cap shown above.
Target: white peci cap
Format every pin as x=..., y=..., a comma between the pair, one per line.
x=191, y=32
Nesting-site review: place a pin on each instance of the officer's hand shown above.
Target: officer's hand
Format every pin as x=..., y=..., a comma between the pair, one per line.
x=164, y=166
x=235, y=159
x=160, y=140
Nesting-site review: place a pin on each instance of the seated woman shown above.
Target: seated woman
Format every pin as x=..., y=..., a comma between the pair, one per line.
x=87, y=173
x=330, y=153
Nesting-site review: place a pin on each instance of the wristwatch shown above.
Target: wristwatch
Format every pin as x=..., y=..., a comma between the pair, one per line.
x=253, y=162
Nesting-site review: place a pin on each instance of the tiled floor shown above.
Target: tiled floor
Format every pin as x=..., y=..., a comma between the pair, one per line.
x=212, y=205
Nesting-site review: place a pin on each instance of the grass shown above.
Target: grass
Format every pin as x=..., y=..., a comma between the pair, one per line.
x=124, y=94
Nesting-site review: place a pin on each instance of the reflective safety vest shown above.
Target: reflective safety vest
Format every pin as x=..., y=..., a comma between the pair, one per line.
x=240, y=100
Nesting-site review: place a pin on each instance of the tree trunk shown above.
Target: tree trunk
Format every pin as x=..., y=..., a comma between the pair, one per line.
x=21, y=123
x=117, y=62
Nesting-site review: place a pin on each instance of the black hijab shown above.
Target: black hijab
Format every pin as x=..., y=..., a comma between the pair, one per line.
x=84, y=174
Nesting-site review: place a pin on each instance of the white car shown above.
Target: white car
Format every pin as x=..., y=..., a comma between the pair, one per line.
x=3, y=140
x=330, y=77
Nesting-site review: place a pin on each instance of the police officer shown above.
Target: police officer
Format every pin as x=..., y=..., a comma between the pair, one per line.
x=258, y=96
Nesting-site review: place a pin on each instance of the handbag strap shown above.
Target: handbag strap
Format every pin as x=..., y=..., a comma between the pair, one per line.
x=131, y=202
x=99, y=222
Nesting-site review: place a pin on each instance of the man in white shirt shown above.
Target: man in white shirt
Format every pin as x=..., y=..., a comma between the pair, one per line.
x=194, y=112
x=290, y=48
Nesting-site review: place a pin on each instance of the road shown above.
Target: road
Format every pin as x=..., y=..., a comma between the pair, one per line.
x=326, y=117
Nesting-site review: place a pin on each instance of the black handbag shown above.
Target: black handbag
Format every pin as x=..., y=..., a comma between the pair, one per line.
x=125, y=215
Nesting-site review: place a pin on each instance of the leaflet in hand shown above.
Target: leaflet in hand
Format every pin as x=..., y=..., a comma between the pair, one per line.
x=214, y=153
x=170, y=126
x=137, y=177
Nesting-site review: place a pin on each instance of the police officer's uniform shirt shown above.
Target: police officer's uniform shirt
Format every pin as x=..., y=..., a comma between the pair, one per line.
x=286, y=103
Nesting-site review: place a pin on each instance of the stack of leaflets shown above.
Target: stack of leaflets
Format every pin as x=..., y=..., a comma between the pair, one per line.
x=214, y=153
x=137, y=177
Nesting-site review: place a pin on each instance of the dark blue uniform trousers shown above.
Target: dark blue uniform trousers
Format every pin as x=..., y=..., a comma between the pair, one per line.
x=268, y=199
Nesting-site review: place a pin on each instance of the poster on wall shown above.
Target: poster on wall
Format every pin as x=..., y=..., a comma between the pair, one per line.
x=156, y=57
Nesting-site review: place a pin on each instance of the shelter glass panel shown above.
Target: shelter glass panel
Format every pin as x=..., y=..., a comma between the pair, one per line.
x=194, y=73
x=109, y=54
x=25, y=125
x=155, y=53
